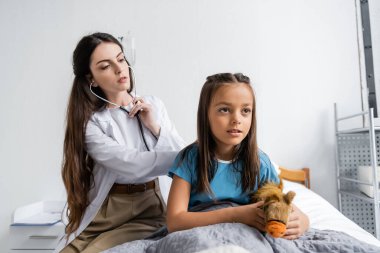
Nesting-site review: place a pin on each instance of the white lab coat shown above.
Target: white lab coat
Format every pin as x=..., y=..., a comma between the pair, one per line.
x=109, y=144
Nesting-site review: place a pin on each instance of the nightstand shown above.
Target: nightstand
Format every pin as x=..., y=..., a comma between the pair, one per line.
x=35, y=238
x=36, y=227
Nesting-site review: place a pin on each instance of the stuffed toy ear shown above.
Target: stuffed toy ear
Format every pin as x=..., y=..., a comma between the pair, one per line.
x=288, y=198
x=268, y=191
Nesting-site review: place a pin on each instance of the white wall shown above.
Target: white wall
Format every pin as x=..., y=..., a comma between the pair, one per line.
x=301, y=55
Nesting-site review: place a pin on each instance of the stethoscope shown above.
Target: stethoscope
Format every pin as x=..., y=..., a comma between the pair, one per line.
x=124, y=109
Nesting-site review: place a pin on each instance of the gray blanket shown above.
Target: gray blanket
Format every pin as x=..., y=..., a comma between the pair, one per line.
x=209, y=237
x=321, y=241
x=202, y=238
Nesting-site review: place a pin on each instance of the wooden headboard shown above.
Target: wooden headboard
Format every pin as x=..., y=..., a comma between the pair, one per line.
x=301, y=176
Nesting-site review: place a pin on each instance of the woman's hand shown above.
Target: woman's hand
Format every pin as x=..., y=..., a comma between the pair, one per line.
x=252, y=215
x=298, y=223
x=146, y=114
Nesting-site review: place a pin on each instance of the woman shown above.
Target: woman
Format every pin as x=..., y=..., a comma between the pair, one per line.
x=116, y=145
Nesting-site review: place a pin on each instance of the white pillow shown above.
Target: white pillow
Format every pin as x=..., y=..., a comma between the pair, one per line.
x=365, y=174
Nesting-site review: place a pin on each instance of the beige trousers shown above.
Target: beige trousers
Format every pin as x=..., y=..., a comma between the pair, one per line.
x=122, y=218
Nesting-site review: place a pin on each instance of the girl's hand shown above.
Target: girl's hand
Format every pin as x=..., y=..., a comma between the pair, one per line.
x=298, y=223
x=252, y=215
x=145, y=111
x=179, y=218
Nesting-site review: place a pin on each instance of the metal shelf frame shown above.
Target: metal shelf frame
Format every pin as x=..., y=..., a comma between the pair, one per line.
x=355, y=147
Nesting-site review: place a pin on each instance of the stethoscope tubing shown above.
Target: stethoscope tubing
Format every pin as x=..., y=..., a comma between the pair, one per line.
x=125, y=110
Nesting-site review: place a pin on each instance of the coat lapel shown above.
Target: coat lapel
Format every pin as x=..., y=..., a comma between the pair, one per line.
x=107, y=124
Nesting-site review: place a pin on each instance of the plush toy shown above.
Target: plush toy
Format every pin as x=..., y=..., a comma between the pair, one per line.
x=277, y=207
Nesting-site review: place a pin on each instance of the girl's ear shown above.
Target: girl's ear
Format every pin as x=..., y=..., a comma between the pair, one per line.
x=288, y=198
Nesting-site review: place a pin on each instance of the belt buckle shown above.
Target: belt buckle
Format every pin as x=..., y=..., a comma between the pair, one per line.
x=144, y=187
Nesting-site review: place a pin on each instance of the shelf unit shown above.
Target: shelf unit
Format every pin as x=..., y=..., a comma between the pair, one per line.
x=358, y=147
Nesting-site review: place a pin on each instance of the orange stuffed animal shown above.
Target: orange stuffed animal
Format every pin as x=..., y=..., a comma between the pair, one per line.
x=277, y=207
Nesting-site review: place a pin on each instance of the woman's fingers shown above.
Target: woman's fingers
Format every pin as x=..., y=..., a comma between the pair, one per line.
x=146, y=113
x=136, y=109
x=139, y=106
x=137, y=99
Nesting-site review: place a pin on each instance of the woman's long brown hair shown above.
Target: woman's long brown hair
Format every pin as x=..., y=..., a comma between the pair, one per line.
x=77, y=165
x=246, y=152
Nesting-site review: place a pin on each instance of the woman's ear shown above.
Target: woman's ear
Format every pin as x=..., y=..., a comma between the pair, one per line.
x=91, y=81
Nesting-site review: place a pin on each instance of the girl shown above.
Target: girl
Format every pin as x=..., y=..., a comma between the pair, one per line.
x=115, y=147
x=225, y=162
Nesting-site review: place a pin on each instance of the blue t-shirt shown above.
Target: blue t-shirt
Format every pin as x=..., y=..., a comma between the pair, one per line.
x=226, y=183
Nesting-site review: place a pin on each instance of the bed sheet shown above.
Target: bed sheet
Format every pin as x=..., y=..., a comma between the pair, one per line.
x=323, y=215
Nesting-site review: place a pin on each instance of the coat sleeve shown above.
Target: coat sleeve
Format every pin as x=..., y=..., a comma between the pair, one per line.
x=125, y=161
x=169, y=137
x=130, y=162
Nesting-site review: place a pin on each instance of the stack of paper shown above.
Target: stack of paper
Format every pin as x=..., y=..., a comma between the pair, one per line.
x=39, y=213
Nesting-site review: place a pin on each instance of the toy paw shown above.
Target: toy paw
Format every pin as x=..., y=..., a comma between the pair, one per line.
x=276, y=229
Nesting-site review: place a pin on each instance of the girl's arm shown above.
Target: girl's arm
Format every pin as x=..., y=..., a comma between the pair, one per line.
x=178, y=218
x=297, y=225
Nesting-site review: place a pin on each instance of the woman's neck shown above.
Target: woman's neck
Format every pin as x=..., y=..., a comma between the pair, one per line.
x=121, y=98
